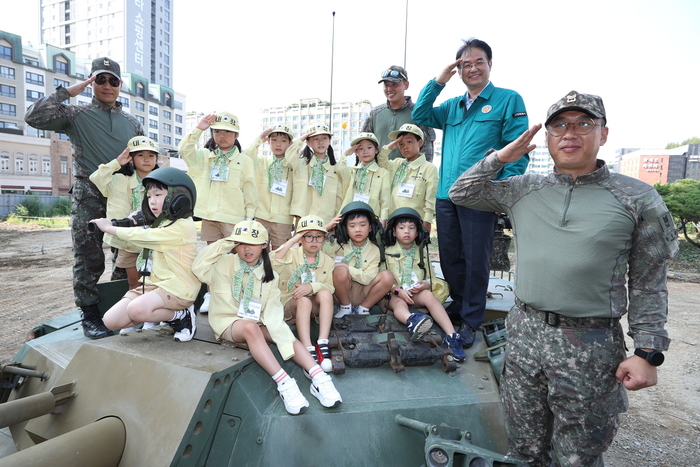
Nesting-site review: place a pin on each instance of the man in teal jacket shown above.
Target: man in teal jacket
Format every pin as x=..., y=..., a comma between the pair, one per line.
x=485, y=117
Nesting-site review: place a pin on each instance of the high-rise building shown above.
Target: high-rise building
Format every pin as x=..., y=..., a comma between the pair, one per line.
x=136, y=33
x=541, y=162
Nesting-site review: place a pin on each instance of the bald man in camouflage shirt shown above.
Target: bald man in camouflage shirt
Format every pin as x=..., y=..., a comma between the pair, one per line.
x=97, y=132
x=580, y=233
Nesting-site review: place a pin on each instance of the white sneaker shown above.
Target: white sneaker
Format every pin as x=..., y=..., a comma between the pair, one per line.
x=147, y=326
x=131, y=329
x=294, y=401
x=205, y=304
x=343, y=311
x=322, y=388
x=184, y=327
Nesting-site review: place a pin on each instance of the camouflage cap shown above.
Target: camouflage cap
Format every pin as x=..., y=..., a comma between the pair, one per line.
x=395, y=74
x=367, y=136
x=588, y=103
x=105, y=65
x=225, y=121
x=407, y=128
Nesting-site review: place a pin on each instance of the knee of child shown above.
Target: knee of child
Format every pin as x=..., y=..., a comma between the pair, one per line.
x=386, y=277
x=250, y=330
x=324, y=295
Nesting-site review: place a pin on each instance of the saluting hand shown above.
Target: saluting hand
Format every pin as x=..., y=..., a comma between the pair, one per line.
x=515, y=150
x=124, y=157
x=447, y=73
x=77, y=88
x=206, y=121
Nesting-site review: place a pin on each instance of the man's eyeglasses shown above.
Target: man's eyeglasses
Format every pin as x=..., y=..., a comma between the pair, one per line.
x=113, y=80
x=469, y=66
x=314, y=238
x=582, y=126
x=394, y=74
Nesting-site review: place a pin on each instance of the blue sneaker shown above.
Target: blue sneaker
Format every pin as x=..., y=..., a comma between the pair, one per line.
x=468, y=335
x=418, y=325
x=456, y=343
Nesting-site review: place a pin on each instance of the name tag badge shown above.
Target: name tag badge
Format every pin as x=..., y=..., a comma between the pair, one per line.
x=279, y=187
x=252, y=312
x=339, y=259
x=219, y=174
x=308, y=277
x=414, y=282
x=361, y=197
x=406, y=190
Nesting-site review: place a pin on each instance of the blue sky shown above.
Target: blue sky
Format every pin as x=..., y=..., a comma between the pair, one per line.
x=640, y=56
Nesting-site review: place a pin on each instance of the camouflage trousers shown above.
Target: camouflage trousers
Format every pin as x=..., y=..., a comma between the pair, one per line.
x=89, y=259
x=558, y=386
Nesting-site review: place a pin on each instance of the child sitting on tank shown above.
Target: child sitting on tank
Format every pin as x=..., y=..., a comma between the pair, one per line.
x=168, y=286
x=415, y=285
x=246, y=310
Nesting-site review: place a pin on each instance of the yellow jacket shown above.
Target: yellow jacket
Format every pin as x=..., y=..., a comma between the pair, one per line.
x=231, y=201
x=173, y=248
x=272, y=207
x=395, y=256
x=378, y=188
x=370, y=260
x=286, y=266
x=216, y=265
x=117, y=188
x=423, y=175
x=306, y=201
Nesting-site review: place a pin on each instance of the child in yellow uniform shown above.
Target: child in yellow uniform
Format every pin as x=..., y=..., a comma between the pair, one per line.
x=415, y=284
x=246, y=310
x=414, y=180
x=120, y=181
x=225, y=178
x=306, y=283
x=320, y=184
x=369, y=183
x=273, y=178
x=359, y=284
x=169, y=248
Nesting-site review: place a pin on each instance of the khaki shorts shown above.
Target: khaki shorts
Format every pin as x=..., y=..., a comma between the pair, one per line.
x=357, y=294
x=126, y=259
x=279, y=233
x=227, y=336
x=170, y=301
x=213, y=230
x=290, y=310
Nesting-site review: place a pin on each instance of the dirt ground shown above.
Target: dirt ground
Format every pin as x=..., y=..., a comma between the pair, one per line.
x=661, y=428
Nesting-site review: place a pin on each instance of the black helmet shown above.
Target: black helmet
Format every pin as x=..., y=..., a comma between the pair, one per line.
x=182, y=194
x=402, y=213
x=356, y=206
x=360, y=208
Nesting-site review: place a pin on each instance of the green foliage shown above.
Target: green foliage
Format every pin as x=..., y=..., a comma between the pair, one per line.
x=683, y=200
x=33, y=207
x=693, y=140
x=61, y=207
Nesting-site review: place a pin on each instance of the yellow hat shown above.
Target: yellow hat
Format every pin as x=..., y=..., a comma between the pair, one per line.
x=319, y=130
x=311, y=223
x=407, y=128
x=361, y=136
x=142, y=143
x=282, y=128
x=250, y=232
x=225, y=121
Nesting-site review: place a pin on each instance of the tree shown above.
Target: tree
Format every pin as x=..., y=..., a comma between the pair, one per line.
x=693, y=140
x=683, y=200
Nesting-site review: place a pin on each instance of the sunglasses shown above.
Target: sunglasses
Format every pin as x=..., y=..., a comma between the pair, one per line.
x=113, y=81
x=394, y=74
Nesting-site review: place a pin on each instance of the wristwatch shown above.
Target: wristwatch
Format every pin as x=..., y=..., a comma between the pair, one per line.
x=396, y=290
x=655, y=358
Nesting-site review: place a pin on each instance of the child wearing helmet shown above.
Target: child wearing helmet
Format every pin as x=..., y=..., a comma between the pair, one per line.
x=415, y=283
x=320, y=184
x=273, y=178
x=246, y=310
x=414, y=180
x=169, y=287
x=306, y=283
x=358, y=283
x=120, y=181
x=370, y=183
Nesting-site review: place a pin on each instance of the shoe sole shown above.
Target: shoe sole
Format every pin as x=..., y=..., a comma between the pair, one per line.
x=315, y=392
x=421, y=330
x=194, y=328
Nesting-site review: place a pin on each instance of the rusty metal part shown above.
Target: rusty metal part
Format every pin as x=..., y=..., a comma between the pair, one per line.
x=394, y=353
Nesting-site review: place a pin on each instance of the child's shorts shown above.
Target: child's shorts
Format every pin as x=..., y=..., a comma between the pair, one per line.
x=126, y=259
x=357, y=294
x=227, y=336
x=279, y=233
x=214, y=230
x=290, y=310
x=170, y=301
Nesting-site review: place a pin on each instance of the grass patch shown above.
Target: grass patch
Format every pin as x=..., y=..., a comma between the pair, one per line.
x=687, y=259
x=51, y=222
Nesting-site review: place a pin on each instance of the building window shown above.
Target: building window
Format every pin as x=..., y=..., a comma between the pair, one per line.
x=8, y=109
x=33, y=132
x=4, y=163
x=33, y=165
x=177, y=141
x=64, y=165
x=87, y=92
x=178, y=118
x=167, y=140
x=33, y=78
x=59, y=82
x=153, y=110
x=124, y=101
x=153, y=136
x=178, y=130
x=7, y=91
x=139, y=90
x=153, y=124
x=168, y=100
x=59, y=66
x=12, y=125
x=167, y=115
x=19, y=164
x=167, y=127
x=45, y=165
x=33, y=96
x=140, y=106
x=7, y=72
x=5, y=52
x=141, y=120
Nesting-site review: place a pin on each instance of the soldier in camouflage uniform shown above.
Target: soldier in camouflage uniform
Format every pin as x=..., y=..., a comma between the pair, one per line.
x=579, y=232
x=97, y=132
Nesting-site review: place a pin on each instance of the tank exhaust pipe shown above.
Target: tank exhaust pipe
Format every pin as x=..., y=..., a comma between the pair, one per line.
x=27, y=408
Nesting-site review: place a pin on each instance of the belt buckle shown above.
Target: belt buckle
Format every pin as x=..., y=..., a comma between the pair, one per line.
x=551, y=319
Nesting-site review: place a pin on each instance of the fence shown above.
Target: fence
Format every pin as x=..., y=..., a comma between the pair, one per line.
x=8, y=201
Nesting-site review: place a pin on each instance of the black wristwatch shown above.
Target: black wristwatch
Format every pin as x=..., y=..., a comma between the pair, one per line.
x=655, y=358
